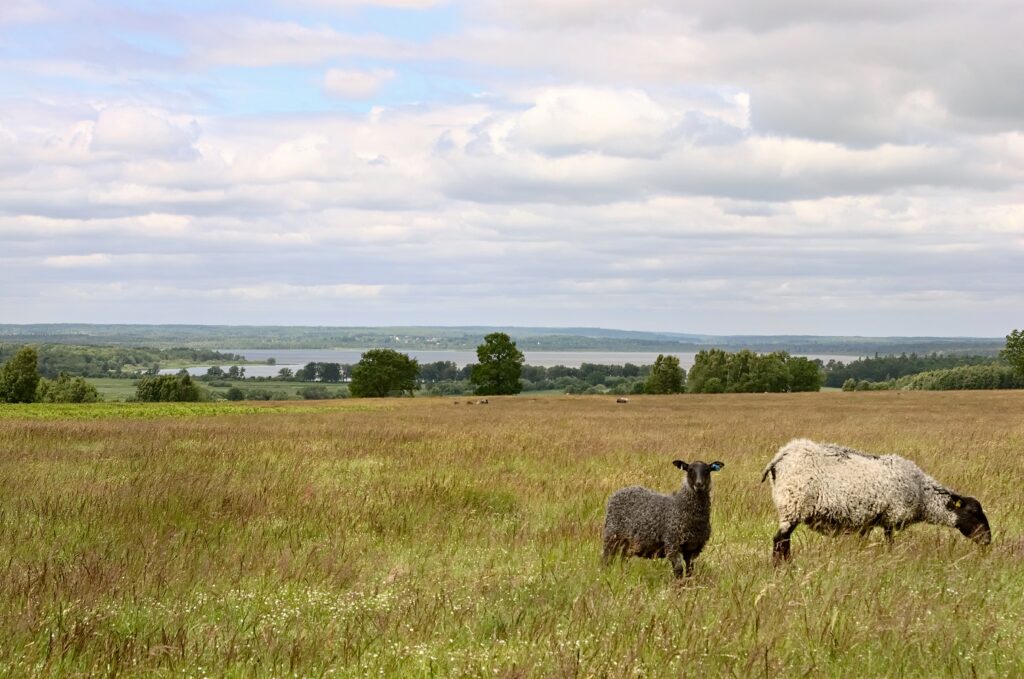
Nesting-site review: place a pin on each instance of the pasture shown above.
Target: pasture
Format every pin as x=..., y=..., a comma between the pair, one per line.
x=420, y=537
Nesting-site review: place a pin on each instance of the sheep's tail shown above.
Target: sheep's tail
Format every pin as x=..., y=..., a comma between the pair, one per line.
x=770, y=469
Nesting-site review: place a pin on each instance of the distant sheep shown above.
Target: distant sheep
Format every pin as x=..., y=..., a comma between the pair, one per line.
x=642, y=522
x=834, y=489
x=622, y=399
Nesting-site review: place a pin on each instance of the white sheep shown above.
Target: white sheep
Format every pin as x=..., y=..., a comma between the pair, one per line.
x=834, y=489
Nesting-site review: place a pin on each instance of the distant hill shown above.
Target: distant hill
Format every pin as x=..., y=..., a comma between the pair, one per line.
x=468, y=337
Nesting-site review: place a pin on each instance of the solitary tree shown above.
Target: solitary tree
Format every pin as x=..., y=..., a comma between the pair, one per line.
x=19, y=377
x=667, y=376
x=383, y=372
x=500, y=365
x=1014, y=351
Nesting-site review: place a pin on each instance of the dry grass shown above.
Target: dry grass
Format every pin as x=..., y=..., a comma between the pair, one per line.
x=424, y=538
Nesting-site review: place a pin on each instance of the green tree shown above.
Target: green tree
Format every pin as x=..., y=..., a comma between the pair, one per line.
x=66, y=389
x=804, y=374
x=329, y=372
x=307, y=373
x=1014, y=351
x=500, y=364
x=178, y=387
x=667, y=376
x=19, y=377
x=234, y=394
x=384, y=372
x=285, y=374
x=710, y=372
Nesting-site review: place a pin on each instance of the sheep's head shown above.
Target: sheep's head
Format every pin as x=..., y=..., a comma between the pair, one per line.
x=970, y=519
x=698, y=474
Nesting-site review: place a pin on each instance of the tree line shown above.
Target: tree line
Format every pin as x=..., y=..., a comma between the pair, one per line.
x=501, y=370
x=110, y=361
x=883, y=368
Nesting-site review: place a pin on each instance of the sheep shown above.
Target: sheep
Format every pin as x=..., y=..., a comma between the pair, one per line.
x=645, y=523
x=834, y=489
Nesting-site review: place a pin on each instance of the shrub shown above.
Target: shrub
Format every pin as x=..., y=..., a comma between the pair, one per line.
x=178, y=387
x=66, y=389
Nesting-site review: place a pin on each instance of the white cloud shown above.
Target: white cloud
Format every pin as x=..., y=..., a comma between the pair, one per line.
x=254, y=43
x=135, y=131
x=579, y=120
x=699, y=167
x=24, y=11
x=355, y=84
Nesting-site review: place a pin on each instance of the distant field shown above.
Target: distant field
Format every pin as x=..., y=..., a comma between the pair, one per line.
x=111, y=389
x=420, y=537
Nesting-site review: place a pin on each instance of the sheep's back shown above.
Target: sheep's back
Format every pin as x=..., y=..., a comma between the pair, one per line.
x=841, y=487
x=636, y=511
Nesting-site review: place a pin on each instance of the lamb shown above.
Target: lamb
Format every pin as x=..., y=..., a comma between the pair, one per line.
x=834, y=489
x=642, y=522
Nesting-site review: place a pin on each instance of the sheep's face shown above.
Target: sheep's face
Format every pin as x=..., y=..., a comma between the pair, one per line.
x=698, y=474
x=970, y=519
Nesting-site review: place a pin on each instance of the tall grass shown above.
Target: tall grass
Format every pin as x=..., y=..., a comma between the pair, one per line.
x=427, y=538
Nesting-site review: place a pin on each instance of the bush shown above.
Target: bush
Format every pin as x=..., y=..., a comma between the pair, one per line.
x=178, y=387
x=234, y=394
x=992, y=376
x=318, y=393
x=66, y=389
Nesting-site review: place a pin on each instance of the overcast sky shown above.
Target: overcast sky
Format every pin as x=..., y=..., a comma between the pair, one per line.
x=797, y=166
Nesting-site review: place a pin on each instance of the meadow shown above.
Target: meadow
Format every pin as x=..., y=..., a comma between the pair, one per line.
x=430, y=537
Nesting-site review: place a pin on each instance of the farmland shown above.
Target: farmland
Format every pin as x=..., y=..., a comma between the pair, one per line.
x=432, y=537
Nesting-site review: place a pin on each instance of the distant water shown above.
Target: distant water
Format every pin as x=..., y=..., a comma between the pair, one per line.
x=296, y=358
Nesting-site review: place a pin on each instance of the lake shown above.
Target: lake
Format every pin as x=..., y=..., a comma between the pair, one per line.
x=297, y=358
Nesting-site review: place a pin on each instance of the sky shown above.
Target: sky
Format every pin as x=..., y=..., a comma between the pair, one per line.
x=852, y=167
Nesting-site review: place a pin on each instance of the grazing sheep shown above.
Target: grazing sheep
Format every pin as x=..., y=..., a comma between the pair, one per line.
x=622, y=399
x=834, y=489
x=648, y=524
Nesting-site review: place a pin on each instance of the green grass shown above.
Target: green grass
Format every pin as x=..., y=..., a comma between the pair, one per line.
x=418, y=538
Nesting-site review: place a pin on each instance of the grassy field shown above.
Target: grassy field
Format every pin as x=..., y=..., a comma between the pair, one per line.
x=420, y=537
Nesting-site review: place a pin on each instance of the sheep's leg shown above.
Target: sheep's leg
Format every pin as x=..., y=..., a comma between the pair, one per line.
x=679, y=565
x=612, y=547
x=689, y=557
x=888, y=535
x=780, y=546
x=608, y=554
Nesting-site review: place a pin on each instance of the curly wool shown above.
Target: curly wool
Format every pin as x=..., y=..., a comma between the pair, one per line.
x=642, y=522
x=833, y=488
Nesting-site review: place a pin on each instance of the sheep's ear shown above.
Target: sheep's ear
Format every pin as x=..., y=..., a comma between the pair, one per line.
x=680, y=464
x=955, y=502
x=716, y=465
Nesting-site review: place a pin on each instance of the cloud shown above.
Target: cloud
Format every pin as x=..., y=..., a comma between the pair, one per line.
x=135, y=131
x=24, y=11
x=698, y=166
x=570, y=121
x=355, y=84
x=255, y=43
